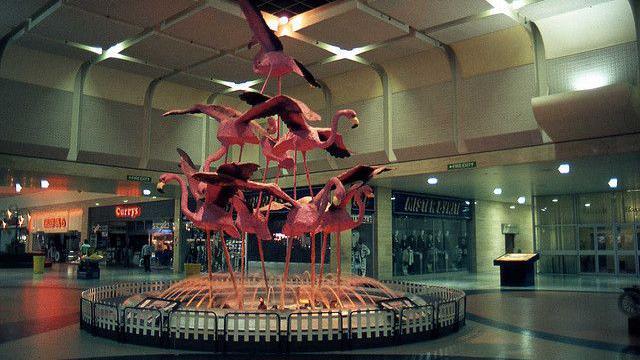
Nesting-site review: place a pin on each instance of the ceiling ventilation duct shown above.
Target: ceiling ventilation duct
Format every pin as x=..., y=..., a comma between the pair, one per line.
x=604, y=111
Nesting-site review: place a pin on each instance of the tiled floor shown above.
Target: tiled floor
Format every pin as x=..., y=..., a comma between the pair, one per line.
x=569, y=317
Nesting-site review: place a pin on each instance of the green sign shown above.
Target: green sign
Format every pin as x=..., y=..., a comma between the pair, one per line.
x=139, y=178
x=462, y=165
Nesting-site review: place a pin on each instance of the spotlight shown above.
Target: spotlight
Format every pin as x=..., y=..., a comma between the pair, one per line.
x=432, y=181
x=393, y=198
x=18, y=187
x=587, y=205
x=153, y=197
x=146, y=192
x=564, y=168
x=521, y=200
x=497, y=191
x=554, y=200
x=44, y=183
x=467, y=202
x=512, y=207
x=125, y=201
x=613, y=183
x=283, y=20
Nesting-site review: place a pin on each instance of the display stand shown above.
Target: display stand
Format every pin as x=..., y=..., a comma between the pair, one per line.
x=517, y=269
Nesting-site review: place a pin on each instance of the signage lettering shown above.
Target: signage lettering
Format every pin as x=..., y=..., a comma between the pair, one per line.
x=139, y=178
x=54, y=223
x=462, y=165
x=431, y=206
x=128, y=212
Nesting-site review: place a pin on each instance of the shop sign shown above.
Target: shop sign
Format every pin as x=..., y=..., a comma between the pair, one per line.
x=54, y=223
x=462, y=165
x=430, y=205
x=128, y=212
x=139, y=178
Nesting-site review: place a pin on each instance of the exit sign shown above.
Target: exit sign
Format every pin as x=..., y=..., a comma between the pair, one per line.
x=461, y=165
x=139, y=178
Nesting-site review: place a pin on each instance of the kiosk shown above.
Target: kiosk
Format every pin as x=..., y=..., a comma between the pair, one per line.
x=517, y=269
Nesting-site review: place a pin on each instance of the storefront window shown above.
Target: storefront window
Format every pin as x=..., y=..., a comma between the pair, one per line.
x=555, y=210
x=594, y=208
x=429, y=234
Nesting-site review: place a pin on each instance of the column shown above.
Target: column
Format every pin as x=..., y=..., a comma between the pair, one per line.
x=383, y=233
x=179, y=241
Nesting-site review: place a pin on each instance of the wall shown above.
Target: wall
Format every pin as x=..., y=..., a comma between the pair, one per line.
x=488, y=217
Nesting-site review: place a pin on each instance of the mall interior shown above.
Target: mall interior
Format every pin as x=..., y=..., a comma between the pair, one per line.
x=507, y=132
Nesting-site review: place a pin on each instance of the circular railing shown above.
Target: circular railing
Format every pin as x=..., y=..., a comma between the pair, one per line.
x=102, y=314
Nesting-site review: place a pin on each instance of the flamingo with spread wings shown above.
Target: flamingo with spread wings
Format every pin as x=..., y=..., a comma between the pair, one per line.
x=271, y=59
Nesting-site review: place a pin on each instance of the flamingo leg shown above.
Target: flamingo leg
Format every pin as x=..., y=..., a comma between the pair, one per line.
x=271, y=197
x=313, y=258
x=287, y=261
x=295, y=177
x=306, y=170
x=323, y=252
x=264, y=86
x=213, y=158
x=226, y=156
x=242, y=250
x=240, y=156
x=209, y=260
x=264, y=178
x=264, y=269
x=230, y=267
x=338, y=259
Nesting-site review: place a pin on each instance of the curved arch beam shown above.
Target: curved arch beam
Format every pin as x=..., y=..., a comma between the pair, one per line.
x=76, y=111
x=635, y=9
x=146, y=123
x=456, y=78
x=387, y=112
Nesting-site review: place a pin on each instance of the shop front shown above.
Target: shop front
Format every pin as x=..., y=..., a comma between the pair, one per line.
x=56, y=233
x=431, y=234
x=118, y=232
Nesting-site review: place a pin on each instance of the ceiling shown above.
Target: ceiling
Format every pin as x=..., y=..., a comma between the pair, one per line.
x=204, y=42
x=587, y=175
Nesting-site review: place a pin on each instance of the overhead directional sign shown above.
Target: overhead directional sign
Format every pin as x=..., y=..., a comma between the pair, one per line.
x=461, y=165
x=139, y=178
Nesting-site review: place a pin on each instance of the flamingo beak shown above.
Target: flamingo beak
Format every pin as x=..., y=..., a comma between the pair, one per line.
x=335, y=201
x=369, y=195
x=354, y=122
x=160, y=187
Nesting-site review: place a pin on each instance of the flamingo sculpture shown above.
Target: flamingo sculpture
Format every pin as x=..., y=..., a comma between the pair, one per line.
x=233, y=129
x=303, y=218
x=337, y=219
x=271, y=59
x=301, y=137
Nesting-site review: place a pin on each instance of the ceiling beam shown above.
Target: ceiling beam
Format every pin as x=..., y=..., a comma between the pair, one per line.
x=31, y=22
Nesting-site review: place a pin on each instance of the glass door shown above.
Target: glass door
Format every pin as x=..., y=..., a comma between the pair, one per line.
x=605, y=249
x=626, y=258
x=586, y=249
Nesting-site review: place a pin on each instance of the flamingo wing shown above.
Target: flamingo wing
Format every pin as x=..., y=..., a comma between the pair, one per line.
x=305, y=73
x=261, y=32
x=238, y=171
x=220, y=195
x=338, y=148
x=218, y=112
x=293, y=113
x=189, y=169
x=362, y=173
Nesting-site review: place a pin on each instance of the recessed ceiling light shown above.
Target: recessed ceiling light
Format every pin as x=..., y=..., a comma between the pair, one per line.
x=153, y=197
x=497, y=191
x=44, y=183
x=97, y=204
x=432, y=180
x=512, y=207
x=146, y=192
x=564, y=168
x=522, y=200
x=554, y=200
x=18, y=187
x=283, y=20
x=544, y=209
x=587, y=205
x=125, y=201
x=393, y=198
x=613, y=183
x=467, y=202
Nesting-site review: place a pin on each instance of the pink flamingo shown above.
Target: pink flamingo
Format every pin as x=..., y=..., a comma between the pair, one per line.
x=271, y=59
x=337, y=219
x=301, y=137
x=362, y=173
x=233, y=128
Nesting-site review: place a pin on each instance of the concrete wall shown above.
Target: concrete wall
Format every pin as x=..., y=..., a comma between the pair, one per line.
x=489, y=215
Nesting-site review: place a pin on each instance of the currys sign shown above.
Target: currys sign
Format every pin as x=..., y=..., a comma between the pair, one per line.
x=54, y=223
x=128, y=212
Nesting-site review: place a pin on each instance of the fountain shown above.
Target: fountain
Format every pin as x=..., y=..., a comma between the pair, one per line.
x=239, y=311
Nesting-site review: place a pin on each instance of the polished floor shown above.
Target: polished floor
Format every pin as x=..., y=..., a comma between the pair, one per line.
x=568, y=317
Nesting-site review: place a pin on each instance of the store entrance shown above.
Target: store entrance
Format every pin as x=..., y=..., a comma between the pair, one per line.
x=605, y=251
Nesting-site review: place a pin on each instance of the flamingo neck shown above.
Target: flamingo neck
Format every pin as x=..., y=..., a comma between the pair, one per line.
x=184, y=195
x=334, y=128
x=361, y=207
x=322, y=197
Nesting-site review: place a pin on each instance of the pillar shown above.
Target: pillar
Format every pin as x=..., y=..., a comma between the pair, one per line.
x=383, y=233
x=179, y=241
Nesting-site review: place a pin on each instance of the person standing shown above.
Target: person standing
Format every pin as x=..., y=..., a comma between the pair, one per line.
x=147, y=249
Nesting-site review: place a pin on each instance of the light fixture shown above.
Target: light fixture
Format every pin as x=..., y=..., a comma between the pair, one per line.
x=44, y=183
x=393, y=198
x=544, y=209
x=125, y=201
x=564, y=168
x=18, y=187
x=522, y=200
x=153, y=197
x=590, y=81
x=432, y=180
x=283, y=20
x=467, y=202
x=512, y=207
x=554, y=200
x=613, y=183
x=497, y=191
x=97, y=204
x=587, y=205
x=146, y=192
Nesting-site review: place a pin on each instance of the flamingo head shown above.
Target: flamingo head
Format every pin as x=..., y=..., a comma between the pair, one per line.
x=272, y=125
x=352, y=116
x=367, y=192
x=163, y=181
